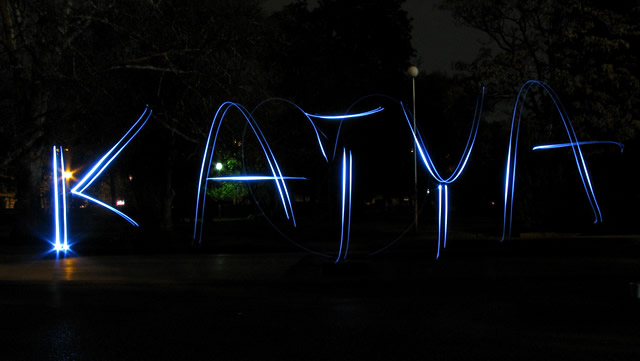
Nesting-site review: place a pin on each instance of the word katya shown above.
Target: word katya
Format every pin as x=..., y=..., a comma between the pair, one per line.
x=345, y=160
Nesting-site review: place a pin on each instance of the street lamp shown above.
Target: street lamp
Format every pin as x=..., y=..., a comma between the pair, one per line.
x=413, y=73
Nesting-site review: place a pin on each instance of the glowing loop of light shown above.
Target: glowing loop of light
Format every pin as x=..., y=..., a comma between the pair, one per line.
x=510, y=173
x=443, y=200
x=104, y=162
x=58, y=181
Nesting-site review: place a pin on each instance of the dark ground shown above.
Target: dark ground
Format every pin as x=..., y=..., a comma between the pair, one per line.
x=526, y=299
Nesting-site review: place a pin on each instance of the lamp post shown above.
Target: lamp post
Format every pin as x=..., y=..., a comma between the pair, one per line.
x=413, y=73
x=219, y=168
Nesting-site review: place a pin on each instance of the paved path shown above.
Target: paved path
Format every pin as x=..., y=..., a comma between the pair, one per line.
x=516, y=304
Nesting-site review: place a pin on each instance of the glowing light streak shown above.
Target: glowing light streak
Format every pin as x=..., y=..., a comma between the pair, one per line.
x=345, y=231
x=350, y=197
x=346, y=116
x=56, y=212
x=426, y=157
x=347, y=174
x=209, y=151
x=439, y=219
x=443, y=201
x=59, y=195
x=276, y=173
x=251, y=178
x=204, y=159
x=443, y=216
x=422, y=151
x=510, y=173
x=107, y=158
x=566, y=145
x=275, y=169
x=63, y=182
x=104, y=162
x=344, y=194
x=112, y=209
x=376, y=110
x=317, y=132
x=273, y=165
x=446, y=214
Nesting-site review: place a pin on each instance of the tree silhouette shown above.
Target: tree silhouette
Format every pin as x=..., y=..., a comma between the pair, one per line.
x=586, y=50
x=583, y=49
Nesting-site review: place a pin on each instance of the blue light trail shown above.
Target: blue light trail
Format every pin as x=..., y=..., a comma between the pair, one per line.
x=443, y=193
x=318, y=133
x=276, y=174
x=60, y=242
x=65, y=244
x=345, y=230
x=421, y=149
x=251, y=178
x=346, y=116
x=112, y=209
x=104, y=162
x=426, y=157
x=566, y=145
x=209, y=152
x=510, y=173
x=443, y=204
x=347, y=166
x=56, y=197
x=59, y=184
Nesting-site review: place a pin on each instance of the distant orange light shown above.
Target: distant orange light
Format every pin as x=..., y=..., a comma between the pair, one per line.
x=67, y=175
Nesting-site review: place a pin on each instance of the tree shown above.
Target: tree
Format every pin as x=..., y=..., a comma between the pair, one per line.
x=586, y=51
x=183, y=58
x=36, y=39
x=583, y=49
x=77, y=72
x=342, y=50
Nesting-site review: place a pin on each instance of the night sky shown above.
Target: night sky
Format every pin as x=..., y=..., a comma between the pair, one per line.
x=439, y=41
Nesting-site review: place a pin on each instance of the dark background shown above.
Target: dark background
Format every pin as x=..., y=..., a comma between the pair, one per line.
x=79, y=74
